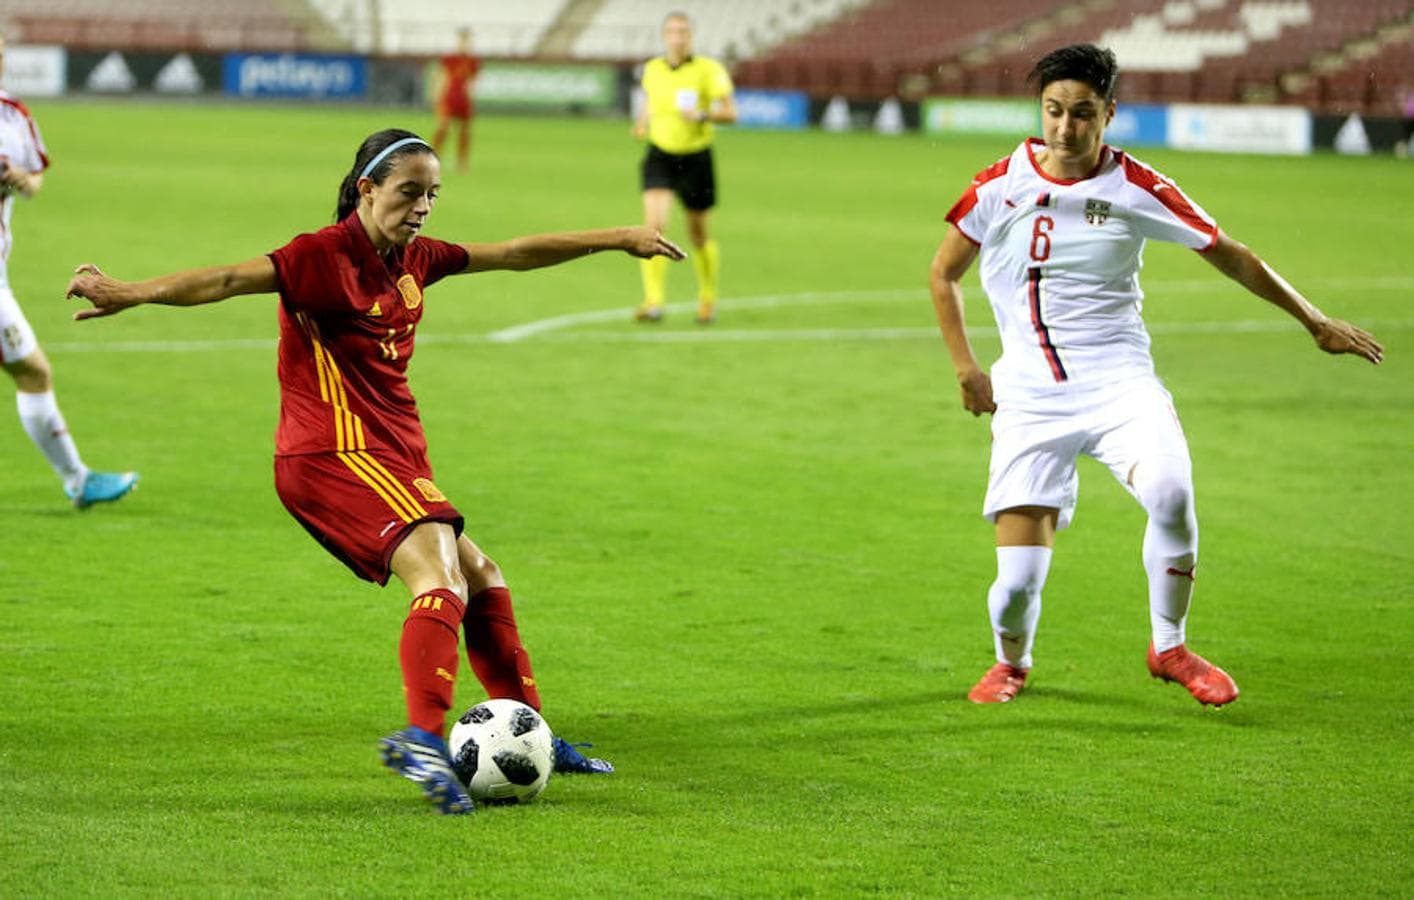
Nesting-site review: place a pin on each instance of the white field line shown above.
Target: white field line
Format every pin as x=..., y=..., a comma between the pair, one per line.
x=562, y=328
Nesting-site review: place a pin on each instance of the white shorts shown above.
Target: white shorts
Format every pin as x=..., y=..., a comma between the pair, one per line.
x=17, y=339
x=1034, y=450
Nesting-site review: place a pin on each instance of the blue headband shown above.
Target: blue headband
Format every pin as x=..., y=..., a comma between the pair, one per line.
x=373, y=163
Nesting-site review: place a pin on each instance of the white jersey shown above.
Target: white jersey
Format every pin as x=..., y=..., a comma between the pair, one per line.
x=20, y=145
x=1060, y=263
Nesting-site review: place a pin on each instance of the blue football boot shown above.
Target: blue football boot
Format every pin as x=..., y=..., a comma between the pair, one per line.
x=568, y=759
x=421, y=756
x=102, y=487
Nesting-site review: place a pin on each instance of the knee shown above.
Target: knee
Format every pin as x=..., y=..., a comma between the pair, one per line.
x=481, y=572
x=455, y=582
x=32, y=374
x=1167, y=494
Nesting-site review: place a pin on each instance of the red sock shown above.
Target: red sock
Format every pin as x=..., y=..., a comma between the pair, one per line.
x=494, y=650
x=428, y=653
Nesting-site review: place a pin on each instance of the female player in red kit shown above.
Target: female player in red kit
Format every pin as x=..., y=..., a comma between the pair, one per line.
x=454, y=101
x=350, y=456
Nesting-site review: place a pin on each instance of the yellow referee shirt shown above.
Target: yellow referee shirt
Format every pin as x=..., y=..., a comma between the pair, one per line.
x=693, y=86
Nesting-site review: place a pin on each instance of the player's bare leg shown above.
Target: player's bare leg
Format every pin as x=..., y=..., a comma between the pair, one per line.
x=706, y=262
x=1025, y=536
x=439, y=137
x=463, y=145
x=657, y=204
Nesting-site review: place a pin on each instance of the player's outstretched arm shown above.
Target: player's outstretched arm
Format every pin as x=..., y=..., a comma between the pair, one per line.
x=954, y=257
x=1239, y=263
x=190, y=288
x=540, y=250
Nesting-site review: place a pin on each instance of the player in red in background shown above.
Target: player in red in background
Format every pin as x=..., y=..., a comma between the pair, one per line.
x=350, y=456
x=454, y=98
x=1060, y=225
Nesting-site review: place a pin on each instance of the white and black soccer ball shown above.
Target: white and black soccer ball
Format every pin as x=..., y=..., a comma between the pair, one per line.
x=502, y=752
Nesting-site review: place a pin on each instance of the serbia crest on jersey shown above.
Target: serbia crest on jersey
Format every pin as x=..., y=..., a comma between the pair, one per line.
x=1060, y=263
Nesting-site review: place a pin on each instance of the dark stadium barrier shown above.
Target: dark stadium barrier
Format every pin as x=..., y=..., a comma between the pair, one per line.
x=858, y=115
x=117, y=72
x=1380, y=134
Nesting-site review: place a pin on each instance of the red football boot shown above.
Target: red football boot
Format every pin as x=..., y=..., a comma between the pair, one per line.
x=1205, y=681
x=1000, y=684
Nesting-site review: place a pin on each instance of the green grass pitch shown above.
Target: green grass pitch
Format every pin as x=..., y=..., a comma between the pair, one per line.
x=749, y=562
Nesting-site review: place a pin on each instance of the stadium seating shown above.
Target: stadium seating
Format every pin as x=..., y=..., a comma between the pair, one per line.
x=1315, y=51
x=428, y=27
x=729, y=29
x=1339, y=55
x=164, y=24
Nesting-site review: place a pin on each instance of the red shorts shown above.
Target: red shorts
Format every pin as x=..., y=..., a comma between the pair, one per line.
x=452, y=106
x=360, y=504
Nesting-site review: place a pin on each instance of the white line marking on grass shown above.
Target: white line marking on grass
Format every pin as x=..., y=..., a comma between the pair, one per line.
x=623, y=314
x=561, y=329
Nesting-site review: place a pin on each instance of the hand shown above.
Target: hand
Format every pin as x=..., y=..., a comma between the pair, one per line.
x=103, y=292
x=639, y=132
x=645, y=242
x=1339, y=336
x=10, y=176
x=976, y=388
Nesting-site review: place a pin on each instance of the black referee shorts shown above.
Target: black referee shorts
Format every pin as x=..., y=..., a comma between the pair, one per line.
x=689, y=175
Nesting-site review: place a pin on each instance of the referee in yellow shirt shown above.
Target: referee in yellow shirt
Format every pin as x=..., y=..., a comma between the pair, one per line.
x=684, y=95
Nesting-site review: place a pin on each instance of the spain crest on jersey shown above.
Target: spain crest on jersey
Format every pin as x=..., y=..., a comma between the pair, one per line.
x=1096, y=211
x=412, y=296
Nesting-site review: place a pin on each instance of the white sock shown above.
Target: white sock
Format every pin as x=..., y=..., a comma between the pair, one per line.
x=1170, y=548
x=1014, y=601
x=44, y=424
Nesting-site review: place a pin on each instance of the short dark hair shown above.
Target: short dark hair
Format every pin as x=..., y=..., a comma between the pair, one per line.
x=373, y=145
x=1096, y=66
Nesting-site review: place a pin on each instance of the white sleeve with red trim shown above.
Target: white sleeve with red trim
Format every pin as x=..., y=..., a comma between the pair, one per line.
x=22, y=144
x=38, y=159
x=976, y=209
x=1162, y=212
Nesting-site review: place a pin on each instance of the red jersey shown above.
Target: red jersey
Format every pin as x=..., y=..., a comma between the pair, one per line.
x=456, y=92
x=347, y=318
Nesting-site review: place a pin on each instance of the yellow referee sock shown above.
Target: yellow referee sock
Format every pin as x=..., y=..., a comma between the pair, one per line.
x=655, y=277
x=707, y=262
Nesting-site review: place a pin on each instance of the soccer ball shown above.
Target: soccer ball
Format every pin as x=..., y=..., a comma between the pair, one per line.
x=502, y=752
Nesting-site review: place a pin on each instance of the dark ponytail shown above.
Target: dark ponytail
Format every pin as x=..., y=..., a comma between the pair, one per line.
x=373, y=145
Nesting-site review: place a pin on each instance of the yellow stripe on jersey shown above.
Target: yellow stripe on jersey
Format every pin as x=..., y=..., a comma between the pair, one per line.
x=397, y=486
x=694, y=85
x=352, y=462
x=348, y=426
x=349, y=436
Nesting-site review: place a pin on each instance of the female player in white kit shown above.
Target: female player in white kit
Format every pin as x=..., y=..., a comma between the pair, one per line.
x=1060, y=226
x=22, y=163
